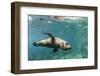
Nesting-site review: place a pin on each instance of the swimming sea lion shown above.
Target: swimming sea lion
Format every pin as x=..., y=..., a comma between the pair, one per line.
x=53, y=42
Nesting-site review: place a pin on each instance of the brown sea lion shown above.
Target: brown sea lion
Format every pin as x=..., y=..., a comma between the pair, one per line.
x=53, y=42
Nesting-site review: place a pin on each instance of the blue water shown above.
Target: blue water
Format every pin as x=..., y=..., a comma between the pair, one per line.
x=71, y=29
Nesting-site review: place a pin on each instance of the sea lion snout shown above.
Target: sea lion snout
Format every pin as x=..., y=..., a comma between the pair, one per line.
x=66, y=46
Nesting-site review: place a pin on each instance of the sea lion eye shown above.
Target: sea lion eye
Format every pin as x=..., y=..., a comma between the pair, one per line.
x=66, y=43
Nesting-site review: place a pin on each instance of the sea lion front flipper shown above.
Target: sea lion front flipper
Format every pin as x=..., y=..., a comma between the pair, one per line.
x=55, y=49
x=49, y=34
x=52, y=37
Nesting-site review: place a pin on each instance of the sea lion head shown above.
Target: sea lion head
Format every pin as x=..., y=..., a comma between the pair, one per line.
x=65, y=46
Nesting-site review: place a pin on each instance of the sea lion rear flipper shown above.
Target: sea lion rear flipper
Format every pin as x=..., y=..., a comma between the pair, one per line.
x=55, y=49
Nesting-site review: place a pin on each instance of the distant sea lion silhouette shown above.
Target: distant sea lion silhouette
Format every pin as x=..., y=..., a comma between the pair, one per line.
x=53, y=42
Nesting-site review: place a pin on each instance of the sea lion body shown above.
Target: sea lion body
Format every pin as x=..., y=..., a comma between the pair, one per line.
x=56, y=43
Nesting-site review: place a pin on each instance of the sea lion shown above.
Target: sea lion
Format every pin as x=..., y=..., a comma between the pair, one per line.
x=53, y=42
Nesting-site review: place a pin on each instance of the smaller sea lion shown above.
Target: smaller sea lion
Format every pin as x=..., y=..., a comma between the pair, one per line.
x=53, y=42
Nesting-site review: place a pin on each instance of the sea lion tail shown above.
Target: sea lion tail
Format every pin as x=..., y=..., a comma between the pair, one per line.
x=34, y=44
